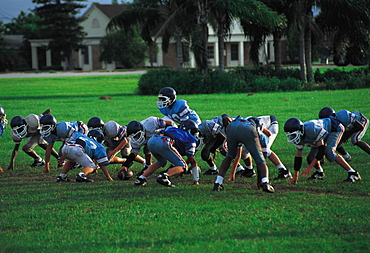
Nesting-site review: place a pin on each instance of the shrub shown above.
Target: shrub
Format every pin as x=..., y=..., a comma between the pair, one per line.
x=243, y=79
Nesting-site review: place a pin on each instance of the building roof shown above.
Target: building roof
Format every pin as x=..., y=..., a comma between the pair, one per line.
x=110, y=10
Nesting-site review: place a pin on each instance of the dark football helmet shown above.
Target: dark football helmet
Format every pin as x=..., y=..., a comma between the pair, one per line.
x=135, y=131
x=19, y=126
x=293, y=128
x=166, y=97
x=47, y=124
x=3, y=119
x=95, y=123
x=97, y=135
x=189, y=126
x=326, y=112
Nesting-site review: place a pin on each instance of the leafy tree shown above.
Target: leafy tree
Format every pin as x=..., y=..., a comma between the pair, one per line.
x=59, y=22
x=126, y=48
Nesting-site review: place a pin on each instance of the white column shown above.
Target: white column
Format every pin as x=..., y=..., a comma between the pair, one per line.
x=48, y=58
x=35, y=60
x=216, y=54
x=241, y=53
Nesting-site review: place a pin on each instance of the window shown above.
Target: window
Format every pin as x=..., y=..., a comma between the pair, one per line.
x=95, y=23
x=211, y=52
x=234, y=52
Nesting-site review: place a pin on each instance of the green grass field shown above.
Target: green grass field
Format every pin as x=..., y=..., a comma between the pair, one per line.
x=40, y=215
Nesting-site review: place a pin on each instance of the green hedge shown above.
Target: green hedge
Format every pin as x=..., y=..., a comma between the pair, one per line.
x=244, y=80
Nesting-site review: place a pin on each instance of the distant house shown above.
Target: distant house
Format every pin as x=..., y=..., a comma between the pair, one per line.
x=97, y=19
x=236, y=51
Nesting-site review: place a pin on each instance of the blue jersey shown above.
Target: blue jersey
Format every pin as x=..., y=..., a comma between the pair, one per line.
x=1, y=129
x=185, y=143
x=78, y=126
x=180, y=112
x=348, y=118
x=315, y=131
x=92, y=148
x=210, y=129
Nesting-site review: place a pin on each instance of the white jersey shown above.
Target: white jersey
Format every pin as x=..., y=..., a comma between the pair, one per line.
x=150, y=126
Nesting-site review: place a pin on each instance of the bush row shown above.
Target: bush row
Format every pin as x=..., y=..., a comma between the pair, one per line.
x=245, y=80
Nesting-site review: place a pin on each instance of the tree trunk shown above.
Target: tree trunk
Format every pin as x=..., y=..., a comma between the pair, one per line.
x=308, y=54
x=277, y=50
x=221, y=47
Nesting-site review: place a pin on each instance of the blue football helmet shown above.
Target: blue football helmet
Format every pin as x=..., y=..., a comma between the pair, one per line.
x=64, y=130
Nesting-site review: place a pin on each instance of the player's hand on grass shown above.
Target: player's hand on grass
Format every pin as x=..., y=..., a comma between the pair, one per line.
x=306, y=172
x=294, y=180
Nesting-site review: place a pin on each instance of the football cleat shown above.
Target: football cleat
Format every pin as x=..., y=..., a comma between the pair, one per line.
x=63, y=179
x=283, y=174
x=347, y=157
x=211, y=172
x=317, y=175
x=163, y=180
x=80, y=179
x=246, y=173
x=38, y=163
x=267, y=187
x=140, y=181
x=352, y=177
x=218, y=187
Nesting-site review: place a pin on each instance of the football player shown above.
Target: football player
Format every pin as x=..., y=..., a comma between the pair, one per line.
x=27, y=128
x=170, y=145
x=48, y=131
x=242, y=131
x=213, y=133
x=355, y=124
x=267, y=128
x=174, y=109
x=3, y=124
x=323, y=136
x=79, y=148
x=115, y=139
x=139, y=134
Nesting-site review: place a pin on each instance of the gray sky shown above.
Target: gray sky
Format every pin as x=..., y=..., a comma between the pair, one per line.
x=10, y=9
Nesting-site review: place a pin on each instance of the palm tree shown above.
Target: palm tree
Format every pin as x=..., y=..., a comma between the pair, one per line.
x=156, y=18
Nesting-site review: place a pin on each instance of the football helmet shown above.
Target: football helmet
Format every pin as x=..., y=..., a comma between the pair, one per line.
x=19, y=126
x=135, y=131
x=64, y=130
x=47, y=124
x=166, y=97
x=293, y=128
x=3, y=119
x=111, y=129
x=97, y=135
x=326, y=112
x=95, y=123
x=189, y=126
